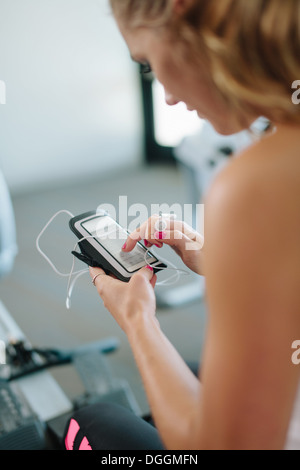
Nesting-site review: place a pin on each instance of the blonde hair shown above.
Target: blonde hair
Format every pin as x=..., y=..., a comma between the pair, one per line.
x=252, y=46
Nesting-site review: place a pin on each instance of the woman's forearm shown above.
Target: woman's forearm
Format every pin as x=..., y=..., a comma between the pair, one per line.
x=172, y=389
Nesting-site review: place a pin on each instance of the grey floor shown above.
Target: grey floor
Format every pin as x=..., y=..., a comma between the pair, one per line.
x=35, y=295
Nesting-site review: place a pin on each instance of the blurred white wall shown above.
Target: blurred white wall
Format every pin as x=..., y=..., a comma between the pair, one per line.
x=72, y=93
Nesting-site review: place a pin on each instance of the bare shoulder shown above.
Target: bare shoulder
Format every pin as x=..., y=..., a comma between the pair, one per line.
x=252, y=223
x=263, y=180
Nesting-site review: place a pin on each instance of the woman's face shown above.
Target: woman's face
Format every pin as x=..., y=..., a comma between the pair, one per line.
x=183, y=82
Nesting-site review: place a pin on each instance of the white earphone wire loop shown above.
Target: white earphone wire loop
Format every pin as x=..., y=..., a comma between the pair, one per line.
x=77, y=274
x=42, y=253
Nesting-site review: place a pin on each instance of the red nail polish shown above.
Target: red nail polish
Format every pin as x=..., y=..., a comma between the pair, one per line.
x=149, y=267
x=160, y=235
x=124, y=246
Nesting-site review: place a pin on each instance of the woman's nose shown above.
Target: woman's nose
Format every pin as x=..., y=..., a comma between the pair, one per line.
x=170, y=99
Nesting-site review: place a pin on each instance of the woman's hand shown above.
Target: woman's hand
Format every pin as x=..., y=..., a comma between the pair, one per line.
x=127, y=301
x=184, y=240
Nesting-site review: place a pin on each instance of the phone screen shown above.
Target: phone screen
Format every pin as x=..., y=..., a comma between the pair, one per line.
x=112, y=237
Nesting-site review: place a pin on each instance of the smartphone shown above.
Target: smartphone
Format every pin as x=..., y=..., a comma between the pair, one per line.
x=103, y=246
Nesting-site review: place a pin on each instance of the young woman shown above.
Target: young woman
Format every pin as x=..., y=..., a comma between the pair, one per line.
x=231, y=61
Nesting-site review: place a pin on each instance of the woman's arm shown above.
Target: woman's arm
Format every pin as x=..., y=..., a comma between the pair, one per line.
x=172, y=389
x=248, y=379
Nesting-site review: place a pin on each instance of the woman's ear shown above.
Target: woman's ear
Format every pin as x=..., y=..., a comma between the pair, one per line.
x=182, y=6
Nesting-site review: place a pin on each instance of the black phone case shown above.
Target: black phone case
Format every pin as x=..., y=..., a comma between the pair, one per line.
x=90, y=256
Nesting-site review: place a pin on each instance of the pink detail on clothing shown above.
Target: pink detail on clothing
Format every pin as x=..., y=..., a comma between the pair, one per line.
x=72, y=433
x=85, y=444
x=71, y=436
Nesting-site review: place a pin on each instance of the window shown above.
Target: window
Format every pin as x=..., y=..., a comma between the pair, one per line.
x=165, y=126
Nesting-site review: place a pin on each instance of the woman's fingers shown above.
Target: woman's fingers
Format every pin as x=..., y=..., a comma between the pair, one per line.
x=178, y=239
x=144, y=232
x=100, y=278
x=96, y=272
x=174, y=233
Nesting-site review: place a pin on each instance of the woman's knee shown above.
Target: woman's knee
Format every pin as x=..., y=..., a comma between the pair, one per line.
x=107, y=426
